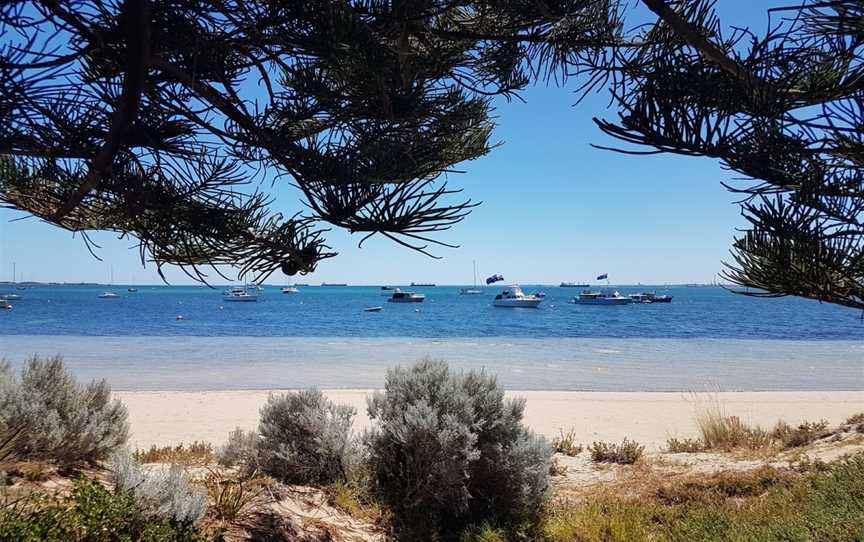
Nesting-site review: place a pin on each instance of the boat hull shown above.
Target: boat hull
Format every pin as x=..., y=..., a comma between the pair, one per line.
x=407, y=300
x=470, y=291
x=517, y=303
x=604, y=301
x=240, y=299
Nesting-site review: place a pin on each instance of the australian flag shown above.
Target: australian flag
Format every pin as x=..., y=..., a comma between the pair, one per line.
x=494, y=278
x=603, y=276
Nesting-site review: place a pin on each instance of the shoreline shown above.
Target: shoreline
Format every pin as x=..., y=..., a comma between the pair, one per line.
x=171, y=417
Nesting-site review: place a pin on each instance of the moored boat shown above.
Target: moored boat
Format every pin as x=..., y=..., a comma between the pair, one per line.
x=515, y=297
x=572, y=285
x=11, y=297
x=373, y=309
x=108, y=295
x=650, y=297
x=603, y=297
x=422, y=285
x=5, y=305
x=406, y=297
x=240, y=293
x=473, y=290
x=290, y=290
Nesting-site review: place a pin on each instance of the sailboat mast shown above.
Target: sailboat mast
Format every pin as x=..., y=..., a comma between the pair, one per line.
x=475, y=273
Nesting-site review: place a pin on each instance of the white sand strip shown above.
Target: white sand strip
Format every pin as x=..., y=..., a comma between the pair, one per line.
x=172, y=417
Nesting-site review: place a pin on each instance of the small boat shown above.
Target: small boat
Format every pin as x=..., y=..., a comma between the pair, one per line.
x=5, y=305
x=422, y=285
x=572, y=285
x=11, y=297
x=387, y=288
x=132, y=290
x=474, y=290
x=108, y=295
x=515, y=297
x=406, y=297
x=332, y=284
x=650, y=297
x=240, y=293
x=290, y=290
x=373, y=309
x=603, y=297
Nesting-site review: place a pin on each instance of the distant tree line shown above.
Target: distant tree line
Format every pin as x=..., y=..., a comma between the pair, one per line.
x=145, y=117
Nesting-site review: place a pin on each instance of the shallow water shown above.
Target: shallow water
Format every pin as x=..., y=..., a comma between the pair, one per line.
x=216, y=363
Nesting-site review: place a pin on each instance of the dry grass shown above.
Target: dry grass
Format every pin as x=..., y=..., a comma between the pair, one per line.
x=719, y=431
x=723, y=485
x=231, y=497
x=355, y=500
x=625, y=453
x=197, y=453
x=565, y=443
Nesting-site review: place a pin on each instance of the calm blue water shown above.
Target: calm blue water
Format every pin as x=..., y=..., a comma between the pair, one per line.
x=707, y=337
x=695, y=312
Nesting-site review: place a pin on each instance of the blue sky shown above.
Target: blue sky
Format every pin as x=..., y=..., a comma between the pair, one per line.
x=554, y=209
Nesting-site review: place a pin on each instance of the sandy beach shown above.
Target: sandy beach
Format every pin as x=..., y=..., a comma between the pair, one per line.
x=172, y=417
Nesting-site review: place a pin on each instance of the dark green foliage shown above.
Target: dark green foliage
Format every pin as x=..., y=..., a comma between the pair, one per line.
x=305, y=438
x=90, y=513
x=448, y=450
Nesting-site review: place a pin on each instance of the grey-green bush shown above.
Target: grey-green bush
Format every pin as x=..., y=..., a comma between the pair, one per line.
x=63, y=420
x=241, y=449
x=305, y=438
x=447, y=450
x=162, y=492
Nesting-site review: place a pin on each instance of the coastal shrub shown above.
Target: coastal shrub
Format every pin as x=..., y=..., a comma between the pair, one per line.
x=625, y=453
x=684, y=446
x=305, y=438
x=165, y=493
x=63, y=420
x=447, y=451
x=565, y=443
x=89, y=513
x=197, y=453
x=802, y=435
x=855, y=419
x=241, y=449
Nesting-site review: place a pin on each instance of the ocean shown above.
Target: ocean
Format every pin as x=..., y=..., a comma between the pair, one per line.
x=706, y=338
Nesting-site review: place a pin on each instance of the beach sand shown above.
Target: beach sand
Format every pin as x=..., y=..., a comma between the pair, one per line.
x=172, y=417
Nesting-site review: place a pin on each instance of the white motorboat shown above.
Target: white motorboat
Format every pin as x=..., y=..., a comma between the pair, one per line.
x=108, y=295
x=5, y=305
x=515, y=297
x=603, y=297
x=373, y=309
x=474, y=290
x=406, y=297
x=240, y=293
x=11, y=297
x=290, y=290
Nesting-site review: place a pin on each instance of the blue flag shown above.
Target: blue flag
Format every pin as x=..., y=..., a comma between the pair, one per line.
x=603, y=276
x=494, y=278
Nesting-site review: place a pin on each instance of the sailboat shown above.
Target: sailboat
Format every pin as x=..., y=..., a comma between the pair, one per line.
x=474, y=290
x=109, y=295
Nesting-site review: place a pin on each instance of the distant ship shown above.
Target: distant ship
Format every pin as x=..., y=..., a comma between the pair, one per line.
x=333, y=284
x=422, y=285
x=573, y=285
